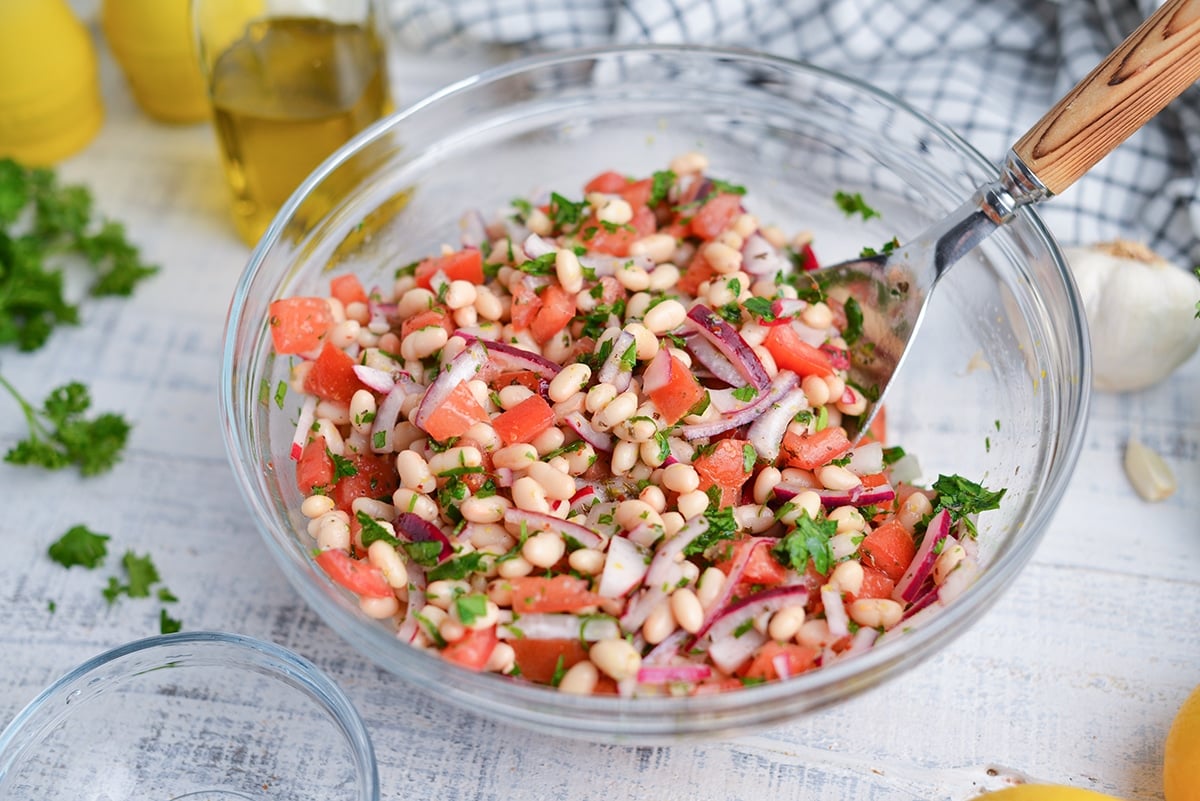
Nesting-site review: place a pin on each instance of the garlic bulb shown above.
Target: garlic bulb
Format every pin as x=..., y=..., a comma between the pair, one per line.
x=1141, y=312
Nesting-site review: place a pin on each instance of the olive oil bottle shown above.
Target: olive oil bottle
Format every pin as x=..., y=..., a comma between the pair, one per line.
x=285, y=95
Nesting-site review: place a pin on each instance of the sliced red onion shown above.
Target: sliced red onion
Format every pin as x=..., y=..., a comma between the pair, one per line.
x=374, y=379
x=614, y=371
x=536, y=521
x=601, y=264
x=866, y=459
x=923, y=601
x=922, y=564
x=385, y=419
x=759, y=257
x=504, y=476
x=729, y=342
x=835, y=611
x=862, y=641
x=464, y=367
x=657, y=373
x=667, y=650
x=408, y=628
x=599, y=440
x=957, y=582
x=667, y=674
x=643, y=603
x=535, y=246
x=766, y=433
x=379, y=313
x=551, y=626
x=625, y=566
x=784, y=308
x=737, y=616
x=709, y=358
x=731, y=581
x=761, y=407
x=670, y=554
x=418, y=529
x=582, y=500
x=507, y=357
x=856, y=496
x=473, y=228
x=308, y=415
x=839, y=359
x=729, y=652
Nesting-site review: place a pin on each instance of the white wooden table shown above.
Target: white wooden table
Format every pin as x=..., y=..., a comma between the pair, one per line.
x=1073, y=677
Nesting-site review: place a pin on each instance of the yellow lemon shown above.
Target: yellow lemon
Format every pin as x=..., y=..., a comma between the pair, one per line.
x=1181, y=756
x=1045, y=792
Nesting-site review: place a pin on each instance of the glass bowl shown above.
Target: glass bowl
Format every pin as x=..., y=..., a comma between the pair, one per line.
x=996, y=388
x=204, y=716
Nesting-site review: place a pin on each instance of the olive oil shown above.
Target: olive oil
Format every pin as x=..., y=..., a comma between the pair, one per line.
x=285, y=95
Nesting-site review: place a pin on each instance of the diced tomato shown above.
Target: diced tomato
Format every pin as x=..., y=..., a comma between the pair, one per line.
x=462, y=265
x=562, y=593
x=715, y=215
x=797, y=658
x=615, y=242
x=761, y=568
x=878, y=430
x=348, y=289
x=679, y=395
x=427, y=319
x=808, y=259
x=374, y=477
x=539, y=660
x=523, y=422
x=315, y=468
x=810, y=451
x=727, y=467
x=455, y=415
x=525, y=306
x=357, y=576
x=609, y=183
x=297, y=324
x=793, y=353
x=524, y=378
x=637, y=193
x=889, y=548
x=558, y=307
x=332, y=376
x=875, y=584
x=473, y=650
x=698, y=271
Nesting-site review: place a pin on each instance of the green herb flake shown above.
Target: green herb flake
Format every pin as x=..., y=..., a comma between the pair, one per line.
x=168, y=624
x=852, y=204
x=660, y=187
x=743, y=627
x=854, y=321
x=559, y=671
x=724, y=187
x=808, y=540
x=470, y=608
x=964, y=498
x=60, y=435
x=745, y=394
x=342, y=467
x=457, y=568
x=893, y=454
x=80, y=546
x=425, y=554
x=760, y=308
x=749, y=457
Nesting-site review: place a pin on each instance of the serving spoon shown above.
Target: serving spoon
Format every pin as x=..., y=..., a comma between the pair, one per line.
x=1149, y=69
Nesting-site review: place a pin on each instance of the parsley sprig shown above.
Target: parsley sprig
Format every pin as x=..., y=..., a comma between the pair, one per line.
x=808, y=540
x=964, y=499
x=60, y=434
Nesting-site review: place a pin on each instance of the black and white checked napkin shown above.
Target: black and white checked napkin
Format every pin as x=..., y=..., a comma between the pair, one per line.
x=987, y=68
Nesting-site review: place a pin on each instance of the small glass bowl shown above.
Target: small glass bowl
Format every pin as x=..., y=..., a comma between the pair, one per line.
x=203, y=716
x=995, y=388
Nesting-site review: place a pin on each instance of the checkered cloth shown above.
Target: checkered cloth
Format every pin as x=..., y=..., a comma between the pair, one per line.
x=987, y=68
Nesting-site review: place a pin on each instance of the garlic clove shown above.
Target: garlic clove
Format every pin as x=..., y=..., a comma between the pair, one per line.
x=1149, y=474
x=1141, y=313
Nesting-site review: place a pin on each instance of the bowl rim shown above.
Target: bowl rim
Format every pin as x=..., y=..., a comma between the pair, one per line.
x=639, y=714
x=317, y=684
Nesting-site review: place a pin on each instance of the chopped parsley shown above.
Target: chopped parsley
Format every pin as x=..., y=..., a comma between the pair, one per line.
x=470, y=608
x=854, y=321
x=893, y=454
x=457, y=568
x=425, y=554
x=808, y=540
x=660, y=187
x=342, y=467
x=80, y=546
x=372, y=531
x=852, y=204
x=760, y=308
x=542, y=265
x=280, y=393
x=565, y=213
x=745, y=394
x=60, y=434
x=749, y=457
x=727, y=188
x=964, y=498
x=721, y=526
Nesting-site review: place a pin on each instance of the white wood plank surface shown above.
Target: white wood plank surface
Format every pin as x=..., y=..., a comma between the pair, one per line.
x=1073, y=677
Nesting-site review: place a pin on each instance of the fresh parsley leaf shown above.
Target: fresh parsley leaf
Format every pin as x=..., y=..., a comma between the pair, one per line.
x=33, y=247
x=745, y=394
x=749, y=457
x=470, y=608
x=142, y=574
x=964, y=498
x=280, y=393
x=808, y=540
x=853, y=204
x=731, y=312
x=721, y=526
x=542, y=265
x=342, y=467
x=760, y=308
x=425, y=554
x=629, y=357
x=457, y=568
x=80, y=546
x=660, y=187
x=372, y=531
x=168, y=624
x=565, y=213
x=854, y=321
x=559, y=671
x=893, y=454
x=60, y=434
x=727, y=188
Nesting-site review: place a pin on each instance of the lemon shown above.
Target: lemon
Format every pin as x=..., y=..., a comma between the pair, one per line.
x=1045, y=792
x=1181, y=754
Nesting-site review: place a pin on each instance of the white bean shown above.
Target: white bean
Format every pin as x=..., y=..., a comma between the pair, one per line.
x=665, y=316
x=569, y=381
x=580, y=679
x=876, y=612
x=615, y=657
x=558, y=485
x=384, y=557
x=688, y=611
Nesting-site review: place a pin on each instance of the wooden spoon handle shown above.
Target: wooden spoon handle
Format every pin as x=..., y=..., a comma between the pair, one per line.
x=1148, y=70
